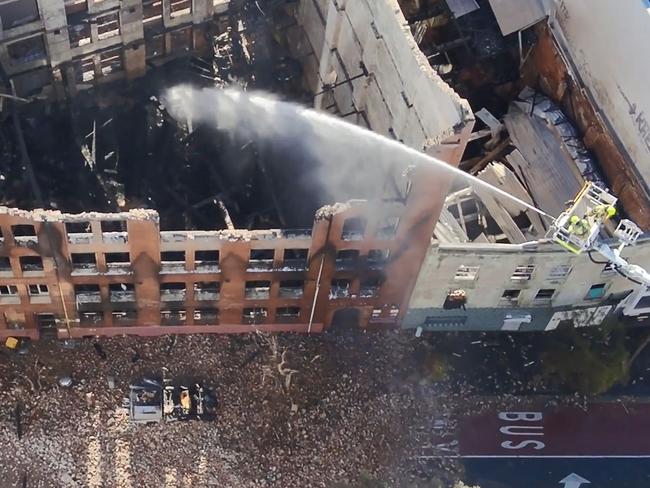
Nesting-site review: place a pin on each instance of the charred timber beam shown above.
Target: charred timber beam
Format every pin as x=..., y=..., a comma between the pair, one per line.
x=226, y=215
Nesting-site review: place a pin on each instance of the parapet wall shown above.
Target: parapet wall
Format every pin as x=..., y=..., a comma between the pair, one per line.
x=402, y=96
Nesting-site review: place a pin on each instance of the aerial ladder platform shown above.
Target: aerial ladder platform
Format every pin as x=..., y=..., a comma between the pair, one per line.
x=581, y=228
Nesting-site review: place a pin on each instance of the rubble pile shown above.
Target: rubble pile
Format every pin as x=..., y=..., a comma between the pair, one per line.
x=292, y=411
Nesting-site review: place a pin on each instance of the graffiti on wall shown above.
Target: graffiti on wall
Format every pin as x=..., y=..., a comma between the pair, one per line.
x=640, y=119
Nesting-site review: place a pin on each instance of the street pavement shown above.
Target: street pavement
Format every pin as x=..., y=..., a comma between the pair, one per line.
x=550, y=473
x=606, y=445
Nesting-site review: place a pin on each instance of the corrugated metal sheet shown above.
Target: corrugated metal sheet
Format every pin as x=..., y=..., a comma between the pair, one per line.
x=544, y=165
x=462, y=7
x=515, y=15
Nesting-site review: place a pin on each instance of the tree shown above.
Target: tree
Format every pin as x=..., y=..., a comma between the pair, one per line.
x=587, y=360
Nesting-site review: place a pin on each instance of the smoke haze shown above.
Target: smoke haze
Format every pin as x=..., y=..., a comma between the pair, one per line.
x=347, y=161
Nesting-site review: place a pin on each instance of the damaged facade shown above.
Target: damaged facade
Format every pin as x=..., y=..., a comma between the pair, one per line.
x=87, y=274
x=54, y=48
x=571, y=113
x=232, y=250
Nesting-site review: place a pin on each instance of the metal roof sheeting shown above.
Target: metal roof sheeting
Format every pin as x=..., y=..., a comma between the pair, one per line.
x=462, y=7
x=515, y=15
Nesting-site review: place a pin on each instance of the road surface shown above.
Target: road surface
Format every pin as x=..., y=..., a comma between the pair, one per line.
x=608, y=445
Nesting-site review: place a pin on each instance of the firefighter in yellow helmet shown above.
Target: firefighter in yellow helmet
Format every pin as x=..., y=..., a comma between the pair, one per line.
x=602, y=212
x=578, y=226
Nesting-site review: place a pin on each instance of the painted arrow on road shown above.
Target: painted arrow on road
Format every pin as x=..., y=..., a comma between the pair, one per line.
x=573, y=481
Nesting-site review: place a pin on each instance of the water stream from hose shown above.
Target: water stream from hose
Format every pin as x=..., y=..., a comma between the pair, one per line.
x=256, y=115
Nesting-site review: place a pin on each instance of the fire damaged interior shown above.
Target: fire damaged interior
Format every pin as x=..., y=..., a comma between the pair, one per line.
x=536, y=134
x=133, y=220
x=114, y=147
x=135, y=156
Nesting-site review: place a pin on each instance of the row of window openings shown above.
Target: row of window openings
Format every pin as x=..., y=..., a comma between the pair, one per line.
x=109, y=25
x=9, y=293
x=521, y=273
x=202, y=316
x=595, y=292
x=263, y=259
x=33, y=48
x=458, y=298
x=152, y=10
x=354, y=229
x=341, y=288
x=20, y=12
x=260, y=260
x=525, y=273
x=207, y=261
x=79, y=33
x=115, y=230
x=80, y=262
x=110, y=61
x=254, y=290
x=78, y=232
x=125, y=292
x=176, y=292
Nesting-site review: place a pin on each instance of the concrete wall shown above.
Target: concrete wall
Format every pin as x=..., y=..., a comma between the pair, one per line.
x=607, y=44
x=402, y=97
x=59, y=57
x=486, y=310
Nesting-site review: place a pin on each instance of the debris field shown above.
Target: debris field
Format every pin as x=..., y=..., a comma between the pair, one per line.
x=293, y=410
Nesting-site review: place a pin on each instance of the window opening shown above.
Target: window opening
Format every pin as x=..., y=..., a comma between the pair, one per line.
x=523, y=273
x=291, y=289
x=258, y=290
x=340, y=288
x=353, y=229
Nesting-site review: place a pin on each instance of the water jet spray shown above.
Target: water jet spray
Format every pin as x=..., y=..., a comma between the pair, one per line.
x=257, y=116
